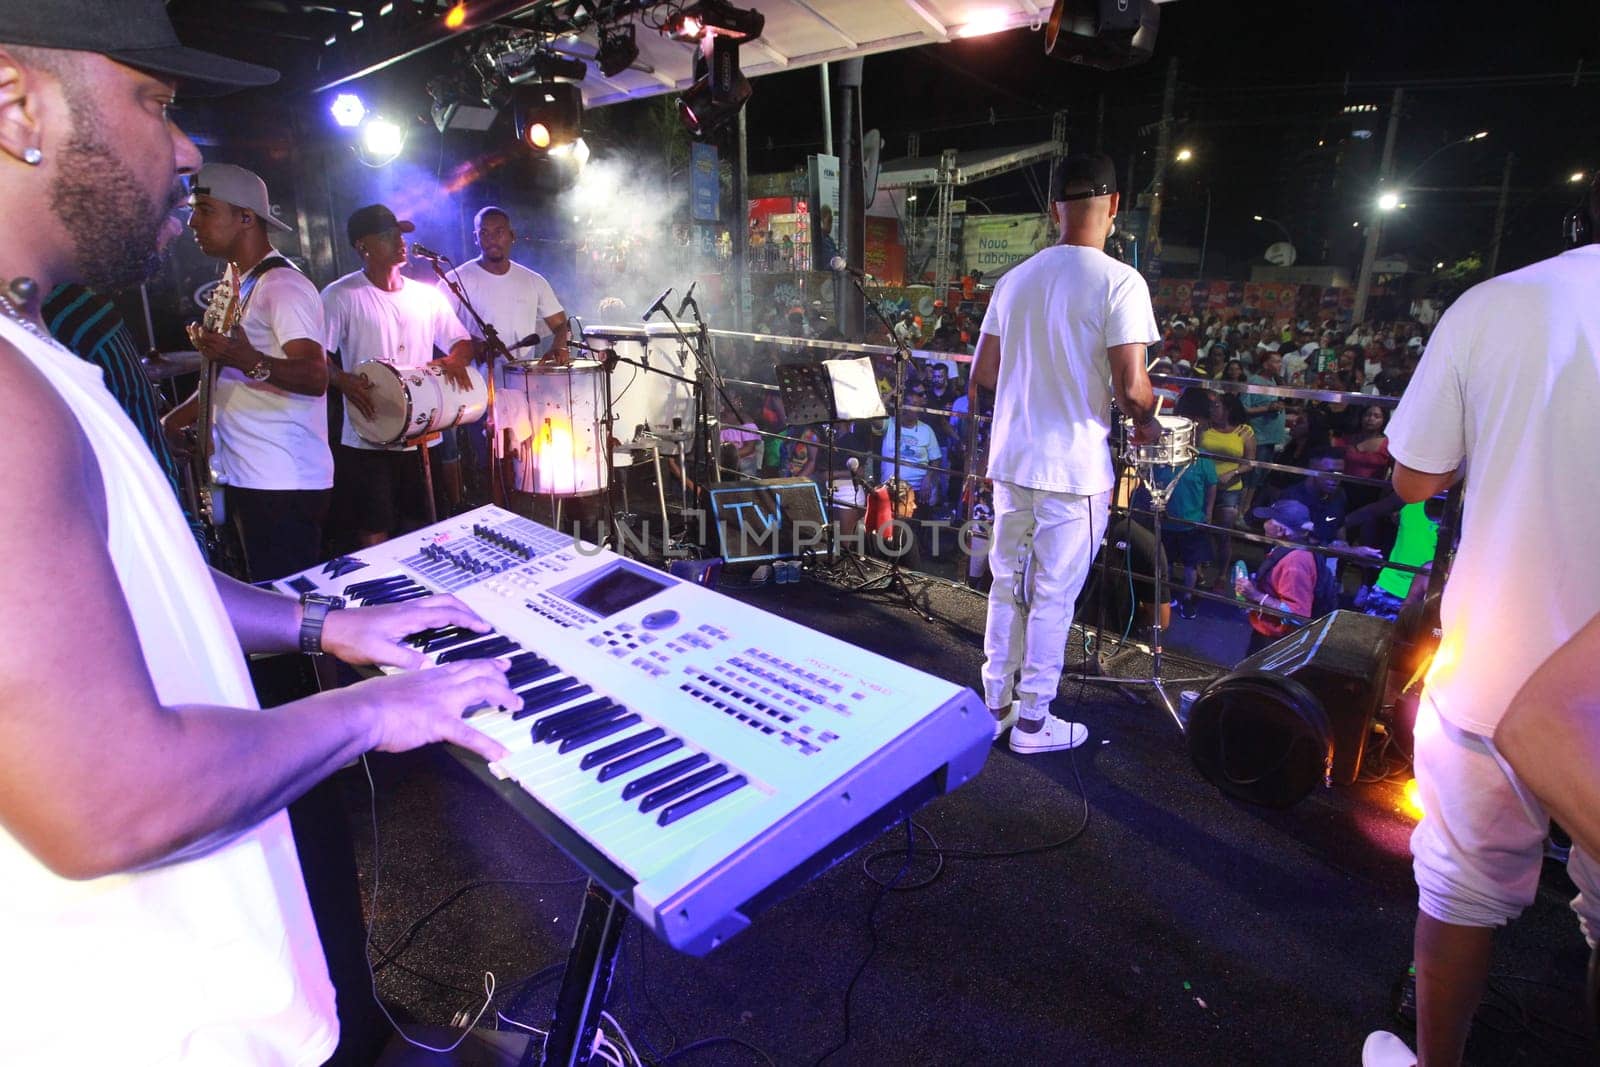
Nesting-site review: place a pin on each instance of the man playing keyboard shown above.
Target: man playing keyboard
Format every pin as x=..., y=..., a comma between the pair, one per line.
x=147, y=862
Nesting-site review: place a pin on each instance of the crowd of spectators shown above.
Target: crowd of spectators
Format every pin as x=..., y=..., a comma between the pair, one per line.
x=1338, y=446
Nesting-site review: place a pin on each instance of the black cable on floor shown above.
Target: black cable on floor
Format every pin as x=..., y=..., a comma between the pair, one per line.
x=388, y=953
x=707, y=1042
x=872, y=948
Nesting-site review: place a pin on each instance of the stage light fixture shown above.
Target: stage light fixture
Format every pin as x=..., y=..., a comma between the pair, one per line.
x=549, y=115
x=381, y=141
x=720, y=89
x=348, y=110
x=456, y=17
x=618, y=49
x=1388, y=201
x=693, y=22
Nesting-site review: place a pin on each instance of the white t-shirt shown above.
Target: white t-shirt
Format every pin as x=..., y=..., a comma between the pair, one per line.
x=1510, y=383
x=267, y=437
x=1056, y=314
x=516, y=304
x=918, y=444
x=213, y=959
x=402, y=328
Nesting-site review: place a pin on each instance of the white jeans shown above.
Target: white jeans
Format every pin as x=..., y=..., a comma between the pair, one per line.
x=1049, y=539
x=1479, y=848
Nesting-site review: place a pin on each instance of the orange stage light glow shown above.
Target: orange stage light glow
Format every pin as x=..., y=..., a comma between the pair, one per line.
x=1411, y=799
x=456, y=17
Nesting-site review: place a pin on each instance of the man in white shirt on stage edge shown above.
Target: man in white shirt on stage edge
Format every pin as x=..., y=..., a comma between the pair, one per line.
x=1064, y=330
x=518, y=303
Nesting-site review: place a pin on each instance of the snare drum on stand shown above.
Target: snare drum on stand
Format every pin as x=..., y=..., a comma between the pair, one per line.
x=1159, y=464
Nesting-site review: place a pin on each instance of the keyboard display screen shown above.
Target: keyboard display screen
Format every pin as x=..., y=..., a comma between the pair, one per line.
x=615, y=588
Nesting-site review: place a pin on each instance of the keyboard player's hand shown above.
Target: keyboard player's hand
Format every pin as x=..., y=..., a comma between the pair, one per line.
x=417, y=708
x=365, y=637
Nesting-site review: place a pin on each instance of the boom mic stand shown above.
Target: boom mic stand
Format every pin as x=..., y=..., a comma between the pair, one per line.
x=895, y=581
x=494, y=349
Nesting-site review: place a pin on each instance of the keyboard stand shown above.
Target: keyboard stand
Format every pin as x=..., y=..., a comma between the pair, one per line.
x=591, y=964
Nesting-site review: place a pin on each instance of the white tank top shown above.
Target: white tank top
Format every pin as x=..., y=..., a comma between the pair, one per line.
x=210, y=960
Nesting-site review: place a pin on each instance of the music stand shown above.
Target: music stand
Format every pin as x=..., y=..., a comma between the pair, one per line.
x=824, y=394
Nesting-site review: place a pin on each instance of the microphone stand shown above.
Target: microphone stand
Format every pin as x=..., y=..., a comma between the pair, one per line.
x=895, y=581
x=494, y=347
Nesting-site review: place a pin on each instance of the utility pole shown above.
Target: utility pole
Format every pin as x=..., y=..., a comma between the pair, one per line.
x=1158, y=186
x=827, y=111
x=1500, y=216
x=1369, y=252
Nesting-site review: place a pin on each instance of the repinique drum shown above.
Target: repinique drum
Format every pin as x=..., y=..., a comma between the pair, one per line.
x=647, y=392
x=412, y=402
x=566, y=406
x=1174, y=448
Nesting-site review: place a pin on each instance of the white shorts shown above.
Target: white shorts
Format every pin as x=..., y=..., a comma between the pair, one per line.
x=1479, y=848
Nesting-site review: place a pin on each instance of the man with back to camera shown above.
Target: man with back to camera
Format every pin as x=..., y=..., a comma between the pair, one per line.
x=1064, y=330
x=270, y=400
x=147, y=862
x=1505, y=391
x=377, y=313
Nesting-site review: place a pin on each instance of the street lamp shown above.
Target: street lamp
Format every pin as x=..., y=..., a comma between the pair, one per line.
x=1577, y=176
x=1281, y=227
x=1185, y=155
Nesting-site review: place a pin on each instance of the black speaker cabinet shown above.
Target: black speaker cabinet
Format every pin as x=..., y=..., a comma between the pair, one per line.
x=1342, y=660
x=778, y=518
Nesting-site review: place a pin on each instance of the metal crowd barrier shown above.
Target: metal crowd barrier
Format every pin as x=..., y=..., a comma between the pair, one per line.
x=799, y=348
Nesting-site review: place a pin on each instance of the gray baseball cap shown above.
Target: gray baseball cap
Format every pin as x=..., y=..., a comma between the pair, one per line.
x=239, y=187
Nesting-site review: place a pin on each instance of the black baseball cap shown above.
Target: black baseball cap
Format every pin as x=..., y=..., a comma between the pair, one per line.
x=136, y=33
x=1092, y=170
x=374, y=218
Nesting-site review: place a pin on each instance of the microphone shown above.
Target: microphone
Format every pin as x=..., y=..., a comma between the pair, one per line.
x=527, y=342
x=853, y=465
x=688, y=298
x=427, y=253
x=659, y=305
x=839, y=266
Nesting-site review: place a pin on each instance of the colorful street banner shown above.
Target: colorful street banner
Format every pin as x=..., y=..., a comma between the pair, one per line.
x=993, y=244
x=705, y=191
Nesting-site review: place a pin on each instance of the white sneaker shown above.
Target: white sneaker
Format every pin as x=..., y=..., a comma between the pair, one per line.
x=1055, y=735
x=1006, y=723
x=1383, y=1049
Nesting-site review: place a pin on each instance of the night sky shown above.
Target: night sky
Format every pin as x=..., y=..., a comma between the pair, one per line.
x=1257, y=82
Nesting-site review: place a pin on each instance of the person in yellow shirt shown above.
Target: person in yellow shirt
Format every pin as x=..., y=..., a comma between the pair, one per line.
x=1232, y=445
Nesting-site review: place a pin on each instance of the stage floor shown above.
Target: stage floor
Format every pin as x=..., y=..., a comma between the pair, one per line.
x=1147, y=920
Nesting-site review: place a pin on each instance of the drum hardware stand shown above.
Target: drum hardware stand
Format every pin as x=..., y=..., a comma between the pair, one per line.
x=1146, y=469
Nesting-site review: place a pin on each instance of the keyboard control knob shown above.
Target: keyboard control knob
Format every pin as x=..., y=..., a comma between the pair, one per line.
x=660, y=620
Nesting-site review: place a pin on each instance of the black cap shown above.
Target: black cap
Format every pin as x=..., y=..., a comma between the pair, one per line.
x=137, y=33
x=374, y=218
x=1086, y=175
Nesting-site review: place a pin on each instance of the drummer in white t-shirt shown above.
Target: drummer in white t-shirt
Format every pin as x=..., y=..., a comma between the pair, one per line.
x=1065, y=330
x=519, y=303
x=377, y=313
